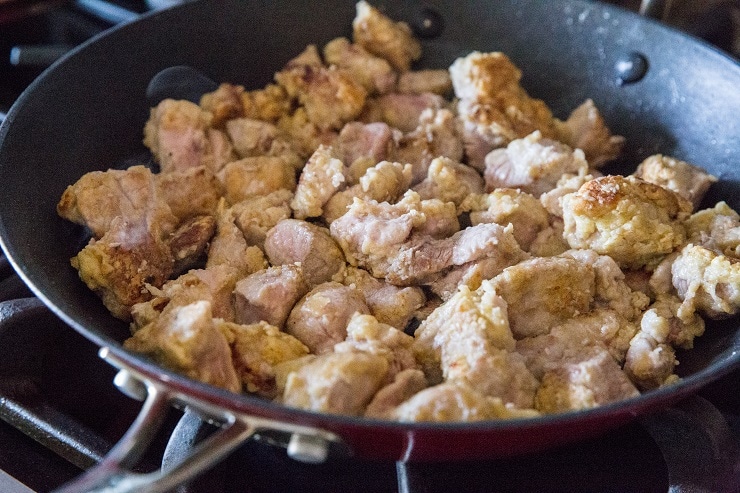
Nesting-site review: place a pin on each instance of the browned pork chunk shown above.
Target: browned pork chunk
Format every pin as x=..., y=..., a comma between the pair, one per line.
x=230, y=248
x=177, y=133
x=255, y=216
x=336, y=383
x=405, y=385
x=269, y=295
x=533, y=164
x=256, y=350
x=254, y=176
x=385, y=38
x=375, y=74
x=493, y=108
x=391, y=305
x=401, y=111
x=214, y=285
x=330, y=95
x=120, y=265
x=187, y=341
x=320, y=319
x=293, y=241
x=468, y=338
x=635, y=222
x=225, y=103
x=593, y=380
x=456, y=402
x=132, y=195
x=422, y=81
x=192, y=192
x=585, y=129
x=361, y=146
x=365, y=334
x=687, y=180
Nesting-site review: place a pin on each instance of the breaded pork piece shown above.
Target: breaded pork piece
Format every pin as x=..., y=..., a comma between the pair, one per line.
x=393, y=41
x=120, y=265
x=509, y=206
x=586, y=129
x=532, y=164
x=687, y=180
x=635, y=222
x=336, y=383
x=717, y=228
x=651, y=358
x=330, y=95
x=374, y=73
x=468, y=340
x=707, y=282
x=365, y=334
x=383, y=182
x=543, y=292
x=449, y=181
x=592, y=380
x=256, y=349
x=493, y=108
x=436, y=135
x=186, y=340
x=455, y=402
x=322, y=176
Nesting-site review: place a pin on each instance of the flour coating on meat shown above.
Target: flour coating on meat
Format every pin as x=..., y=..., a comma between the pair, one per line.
x=368, y=237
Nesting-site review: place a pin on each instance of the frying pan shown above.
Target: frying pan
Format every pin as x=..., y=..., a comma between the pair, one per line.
x=88, y=110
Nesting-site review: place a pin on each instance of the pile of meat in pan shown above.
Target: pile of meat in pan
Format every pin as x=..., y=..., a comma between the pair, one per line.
x=360, y=238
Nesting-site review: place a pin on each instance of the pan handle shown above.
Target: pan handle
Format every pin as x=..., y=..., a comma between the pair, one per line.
x=114, y=475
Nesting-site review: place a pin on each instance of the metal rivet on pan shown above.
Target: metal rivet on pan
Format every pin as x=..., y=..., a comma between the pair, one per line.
x=428, y=23
x=129, y=385
x=630, y=67
x=308, y=448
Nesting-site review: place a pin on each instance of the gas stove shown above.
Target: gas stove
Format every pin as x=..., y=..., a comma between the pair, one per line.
x=61, y=412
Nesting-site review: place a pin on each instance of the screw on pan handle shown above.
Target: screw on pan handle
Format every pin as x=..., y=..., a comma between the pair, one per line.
x=113, y=474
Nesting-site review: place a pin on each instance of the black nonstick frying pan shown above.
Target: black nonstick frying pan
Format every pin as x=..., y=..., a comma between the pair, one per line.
x=664, y=91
